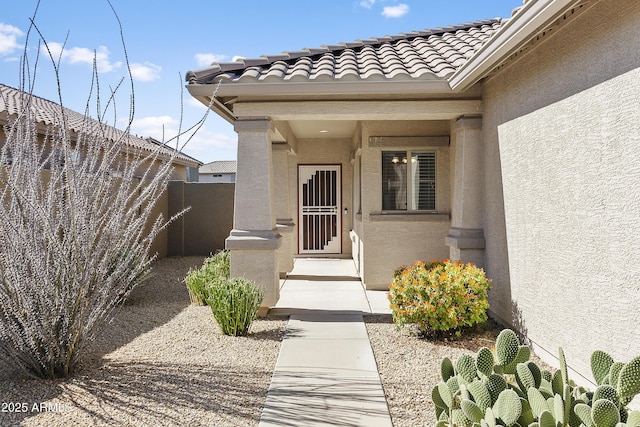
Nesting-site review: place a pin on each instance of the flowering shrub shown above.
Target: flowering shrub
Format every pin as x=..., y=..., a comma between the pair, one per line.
x=439, y=295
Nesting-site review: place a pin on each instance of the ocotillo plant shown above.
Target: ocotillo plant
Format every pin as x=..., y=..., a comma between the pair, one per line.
x=78, y=222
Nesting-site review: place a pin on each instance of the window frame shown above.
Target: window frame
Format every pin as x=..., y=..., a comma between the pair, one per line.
x=409, y=184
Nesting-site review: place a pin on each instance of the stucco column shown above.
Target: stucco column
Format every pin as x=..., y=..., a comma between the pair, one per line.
x=466, y=236
x=254, y=240
x=282, y=206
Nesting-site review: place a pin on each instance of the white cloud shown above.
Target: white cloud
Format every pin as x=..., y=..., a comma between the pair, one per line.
x=396, y=11
x=367, y=3
x=205, y=145
x=158, y=127
x=9, y=38
x=206, y=59
x=83, y=55
x=145, y=72
x=205, y=142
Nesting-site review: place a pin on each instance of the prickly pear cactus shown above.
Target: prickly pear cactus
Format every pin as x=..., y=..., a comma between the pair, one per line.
x=507, y=345
x=629, y=379
x=446, y=369
x=605, y=413
x=600, y=364
x=485, y=361
x=508, y=407
x=466, y=368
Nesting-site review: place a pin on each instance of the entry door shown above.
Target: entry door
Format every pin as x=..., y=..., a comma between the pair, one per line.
x=319, y=199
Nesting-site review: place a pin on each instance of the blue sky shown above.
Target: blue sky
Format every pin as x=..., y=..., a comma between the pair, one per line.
x=165, y=39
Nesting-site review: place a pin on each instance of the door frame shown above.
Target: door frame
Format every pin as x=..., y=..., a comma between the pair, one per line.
x=339, y=225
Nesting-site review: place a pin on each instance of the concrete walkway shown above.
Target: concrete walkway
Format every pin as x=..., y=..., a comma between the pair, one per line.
x=326, y=374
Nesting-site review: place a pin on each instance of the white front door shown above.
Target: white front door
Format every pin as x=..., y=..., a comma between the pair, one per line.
x=319, y=198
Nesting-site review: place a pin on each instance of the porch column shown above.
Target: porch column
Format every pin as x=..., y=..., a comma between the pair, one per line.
x=466, y=236
x=254, y=240
x=282, y=208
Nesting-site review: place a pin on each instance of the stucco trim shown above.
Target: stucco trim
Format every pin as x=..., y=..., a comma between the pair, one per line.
x=281, y=88
x=465, y=238
x=408, y=217
x=409, y=141
x=516, y=32
x=253, y=240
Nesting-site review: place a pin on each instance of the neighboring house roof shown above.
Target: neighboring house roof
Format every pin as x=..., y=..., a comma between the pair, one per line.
x=47, y=113
x=219, y=167
x=428, y=54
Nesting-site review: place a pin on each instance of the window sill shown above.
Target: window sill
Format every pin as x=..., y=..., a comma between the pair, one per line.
x=409, y=217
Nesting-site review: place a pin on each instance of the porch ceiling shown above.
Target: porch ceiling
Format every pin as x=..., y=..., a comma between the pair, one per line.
x=306, y=129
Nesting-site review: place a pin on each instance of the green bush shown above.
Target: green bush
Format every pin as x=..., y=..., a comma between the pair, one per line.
x=214, y=269
x=439, y=295
x=503, y=388
x=235, y=303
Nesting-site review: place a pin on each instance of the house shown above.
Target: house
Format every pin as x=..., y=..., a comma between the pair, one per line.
x=510, y=143
x=47, y=114
x=219, y=171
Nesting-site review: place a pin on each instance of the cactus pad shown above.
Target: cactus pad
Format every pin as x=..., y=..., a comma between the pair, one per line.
x=471, y=410
x=583, y=411
x=495, y=384
x=507, y=345
x=524, y=377
x=600, y=364
x=522, y=356
x=605, y=391
x=629, y=379
x=547, y=420
x=537, y=401
x=459, y=419
x=605, y=413
x=445, y=395
x=466, y=368
x=446, y=369
x=508, y=407
x=480, y=394
x=437, y=399
x=634, y=419
x=485, y=361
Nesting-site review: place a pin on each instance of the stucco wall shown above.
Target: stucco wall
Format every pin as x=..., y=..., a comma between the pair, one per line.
x=390, y=240
x=203, y=229
x=323, y=151
x=562, y=131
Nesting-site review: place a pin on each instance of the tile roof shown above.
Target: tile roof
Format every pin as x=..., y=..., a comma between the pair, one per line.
x=427, y=54
x=220, y=166
x=48, y=113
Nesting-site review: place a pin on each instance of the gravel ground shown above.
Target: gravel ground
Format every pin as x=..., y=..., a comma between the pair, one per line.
x=410, y=367
x=161, y=362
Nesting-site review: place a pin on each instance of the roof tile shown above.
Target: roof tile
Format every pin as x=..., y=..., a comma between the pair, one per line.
x=417, y=54
x=49, y=113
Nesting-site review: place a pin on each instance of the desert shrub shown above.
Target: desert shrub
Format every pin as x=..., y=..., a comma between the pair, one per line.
x=213, y=269
x=439, y=295
x=235, y=303
x=502, y=387
x=77, y=203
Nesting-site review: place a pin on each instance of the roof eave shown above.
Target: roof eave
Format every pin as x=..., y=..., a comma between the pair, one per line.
x=277, y=89
x=513, y=34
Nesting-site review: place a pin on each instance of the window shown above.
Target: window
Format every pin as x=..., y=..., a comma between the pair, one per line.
x=408, y=181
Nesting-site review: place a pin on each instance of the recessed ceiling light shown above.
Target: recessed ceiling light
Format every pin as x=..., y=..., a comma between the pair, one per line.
x=324, y=131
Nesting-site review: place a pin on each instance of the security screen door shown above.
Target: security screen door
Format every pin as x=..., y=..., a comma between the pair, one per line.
x=319, y=198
